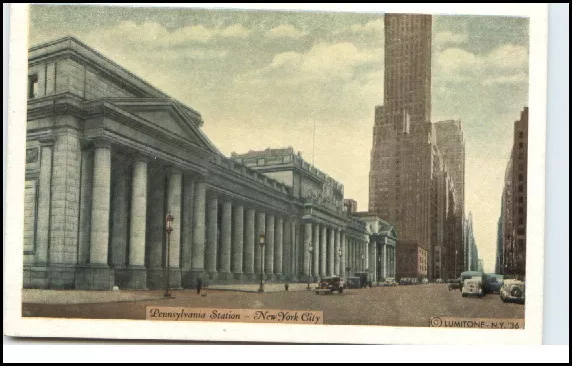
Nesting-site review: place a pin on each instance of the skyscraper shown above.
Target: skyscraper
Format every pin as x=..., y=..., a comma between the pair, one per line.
x=401, y=157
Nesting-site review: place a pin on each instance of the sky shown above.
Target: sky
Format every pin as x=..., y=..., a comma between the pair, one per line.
x=269, y=79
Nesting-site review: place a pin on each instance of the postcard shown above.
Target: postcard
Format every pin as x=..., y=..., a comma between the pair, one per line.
x=299, y=175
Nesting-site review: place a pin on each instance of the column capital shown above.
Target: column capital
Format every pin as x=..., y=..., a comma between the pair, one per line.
x=47, y=141
x=173, y=170
x=100, y=143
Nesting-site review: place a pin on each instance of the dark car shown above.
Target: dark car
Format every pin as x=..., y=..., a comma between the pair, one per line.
x=455, y=284
x=492, y=283
x=353, y=282
x=329, y=285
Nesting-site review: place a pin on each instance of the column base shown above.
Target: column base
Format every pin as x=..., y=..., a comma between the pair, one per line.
x=270, y=277
x=224, y=277
x=35, y=276
x=238, y=276
x=248, y=277
x=190, y=278
x=211, y=278
x=132, y=277
x=279, y=277
x=93, y=277
x=175, y=279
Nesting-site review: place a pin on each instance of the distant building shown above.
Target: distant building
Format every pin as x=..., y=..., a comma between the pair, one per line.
x=416, y=179
x=382, y=246
x=411, y=259
x=350, y=206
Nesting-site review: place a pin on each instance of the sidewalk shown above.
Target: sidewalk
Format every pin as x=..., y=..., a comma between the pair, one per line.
x=66, y=297
x=268, y=287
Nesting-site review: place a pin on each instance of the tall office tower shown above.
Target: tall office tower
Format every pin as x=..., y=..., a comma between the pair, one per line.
x=401, y=157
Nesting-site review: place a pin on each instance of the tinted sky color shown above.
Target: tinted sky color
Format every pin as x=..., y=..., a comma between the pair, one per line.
x=267, y=79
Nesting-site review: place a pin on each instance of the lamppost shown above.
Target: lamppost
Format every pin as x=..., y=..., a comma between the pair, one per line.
x=169, y=229
x=261, y=239
x=310, y=252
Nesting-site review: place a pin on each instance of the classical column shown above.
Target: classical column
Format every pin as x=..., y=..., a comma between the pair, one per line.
x=212, y=236
x=187, y=222
x=119, y=216
x=385, y=261
x=307, y=243
x=365, y=246
x=332, y=254
x=238, y=240
x=226, y=239
x=323, y=250
x=287, y=249
x=337, y=254
x=138, y=217
x=278, y=246
x=199, y=218
x=174, y=196
x=343, y=261
x=269, y=247
x=316, y=251
x=86, y=192
x=97, y=275
x=260, y=229
x=44, y=199
x=294, y=249
x=187, y=231
x=99, y=238
x=249, y=243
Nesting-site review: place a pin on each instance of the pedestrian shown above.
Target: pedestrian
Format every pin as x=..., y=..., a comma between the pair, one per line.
x=199, y=285
x=286, y=286
x=369, y=284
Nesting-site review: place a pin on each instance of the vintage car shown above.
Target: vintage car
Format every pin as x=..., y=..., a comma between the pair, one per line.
x=455, y=285
x=424, y=281
x=512, y=290
x=329, y=285
x=473, y=287
x=492, y=283
x=439, y=280
x=389, y=282
x=352, y=282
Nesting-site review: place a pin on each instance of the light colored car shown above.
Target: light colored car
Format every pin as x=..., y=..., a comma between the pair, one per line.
x=389, y=282
x=425, y=281
x=512, y=290
x=473, y=287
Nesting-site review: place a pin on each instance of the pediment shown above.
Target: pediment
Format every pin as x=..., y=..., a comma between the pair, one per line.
x=168, y=117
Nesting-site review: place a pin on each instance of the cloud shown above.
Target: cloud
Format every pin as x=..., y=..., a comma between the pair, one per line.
x=374, y=26
x=285, y=31
x=148, y=33
x=445, y=38
x=505, y=64
x=324, y=60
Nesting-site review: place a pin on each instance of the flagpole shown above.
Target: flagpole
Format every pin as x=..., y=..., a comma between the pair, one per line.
x=314, y=142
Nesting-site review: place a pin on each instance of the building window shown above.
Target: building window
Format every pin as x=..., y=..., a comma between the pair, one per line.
x=520, y=145
x=520, y=188
x=32, y=86
x=520, y=199
x=520, y=177
x=521, y=210
x=521, y=134
x=521, y=221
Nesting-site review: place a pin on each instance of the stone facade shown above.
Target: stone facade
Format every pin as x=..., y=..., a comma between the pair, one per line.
x=109, y=156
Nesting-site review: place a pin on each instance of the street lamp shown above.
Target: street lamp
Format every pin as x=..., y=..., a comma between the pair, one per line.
x=310, y=252
x=169, y=229
x=261, y=239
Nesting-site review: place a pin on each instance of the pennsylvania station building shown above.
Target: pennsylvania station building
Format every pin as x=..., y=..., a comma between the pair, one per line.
x=109, y=156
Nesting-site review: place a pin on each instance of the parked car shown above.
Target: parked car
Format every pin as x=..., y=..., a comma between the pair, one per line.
x=389, y=282
x=473, y=287
x=353, y=282
x=492, y=283
x=439, y=280
x=512, y=290
x=329, y=285
x=455, y=285
x=424, y=281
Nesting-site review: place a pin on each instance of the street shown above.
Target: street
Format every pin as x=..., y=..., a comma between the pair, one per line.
x=410, y=305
